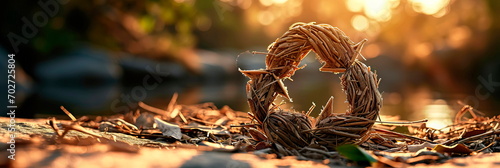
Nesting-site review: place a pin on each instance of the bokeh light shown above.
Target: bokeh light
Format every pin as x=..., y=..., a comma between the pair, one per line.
x=360, y=23
x=430, y=7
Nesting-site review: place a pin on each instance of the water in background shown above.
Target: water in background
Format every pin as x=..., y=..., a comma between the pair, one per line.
x=406, y=93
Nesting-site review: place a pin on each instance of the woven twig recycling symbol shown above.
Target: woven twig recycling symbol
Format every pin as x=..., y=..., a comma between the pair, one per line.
x=338, y=54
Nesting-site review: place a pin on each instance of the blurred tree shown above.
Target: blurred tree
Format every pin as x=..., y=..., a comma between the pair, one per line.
x=157, y=29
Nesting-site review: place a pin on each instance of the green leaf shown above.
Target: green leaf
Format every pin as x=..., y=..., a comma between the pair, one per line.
x=355, y=153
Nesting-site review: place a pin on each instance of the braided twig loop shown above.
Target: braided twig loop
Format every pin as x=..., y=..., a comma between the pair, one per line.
x=338, y=54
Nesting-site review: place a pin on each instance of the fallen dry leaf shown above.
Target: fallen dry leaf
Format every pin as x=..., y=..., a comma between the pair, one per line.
x=168, y=129
x=455, y=149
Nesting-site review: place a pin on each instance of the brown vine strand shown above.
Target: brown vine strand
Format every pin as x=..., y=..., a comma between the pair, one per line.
x=338, y=54
x=335, y=50
x=282, y=124
x=262, y=90
x=361, y=87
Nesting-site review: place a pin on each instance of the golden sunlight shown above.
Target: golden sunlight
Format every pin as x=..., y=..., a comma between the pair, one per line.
x=271, y=2
x=422, y=50
x=458, y=36
x=439, y=114
x=266, y=17
x=355, y=5
x=371, y=51
x=359, y=22
x=430, y=7
x=380, y=10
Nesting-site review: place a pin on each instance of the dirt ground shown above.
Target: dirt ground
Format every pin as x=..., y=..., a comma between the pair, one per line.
x=32, y=151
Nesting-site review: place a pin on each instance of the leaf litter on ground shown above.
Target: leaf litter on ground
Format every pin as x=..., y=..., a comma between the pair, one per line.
x=204, y=127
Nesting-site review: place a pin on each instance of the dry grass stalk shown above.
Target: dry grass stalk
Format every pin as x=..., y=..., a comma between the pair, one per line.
x=338, y=54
